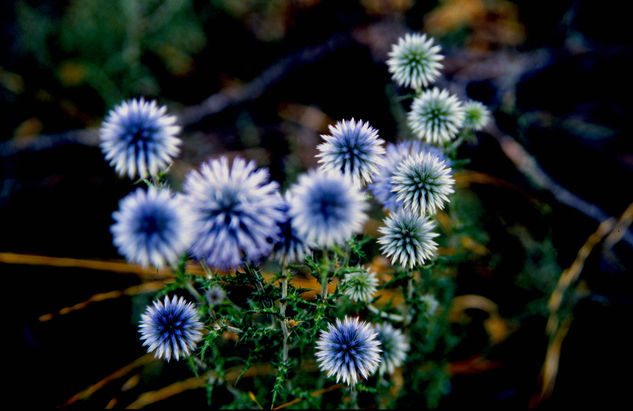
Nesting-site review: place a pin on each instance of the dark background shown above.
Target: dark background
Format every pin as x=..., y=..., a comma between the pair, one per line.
x=556, y=75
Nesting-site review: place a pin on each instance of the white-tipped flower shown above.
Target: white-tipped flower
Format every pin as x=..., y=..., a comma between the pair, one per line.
x=476, y=115
x=423, y=183
x=151, y=228
x=170, y=328
x=360, y=285
x=139, y=139
x=414, y=61
x=353, y=148
x=290, y=247
x=407, y=239
x=430, y=302
x=436, y=116
x=326, y=208
x=394, y=347
x=348, y=350
x=396, y=154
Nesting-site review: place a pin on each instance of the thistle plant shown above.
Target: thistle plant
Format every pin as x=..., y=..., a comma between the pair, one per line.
x=259, y=252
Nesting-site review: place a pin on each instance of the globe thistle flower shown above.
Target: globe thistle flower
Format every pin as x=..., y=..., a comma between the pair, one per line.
x=170, y=328
x=326, y=208
x=430, y=302
x=290, y=247
x=360, y=285
x=394, y=347
x=348, y=350
x=476, y=115
x=415, y=61
x=151, y=228
x=235, y=212
x=139, y=139
x=407, y=238
x=215, y=295
x=354, y=149
x=382, y=188
x=423, y=183
x=435, y=116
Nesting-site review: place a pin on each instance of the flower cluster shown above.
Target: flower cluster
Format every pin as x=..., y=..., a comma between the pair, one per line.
x=230, y=216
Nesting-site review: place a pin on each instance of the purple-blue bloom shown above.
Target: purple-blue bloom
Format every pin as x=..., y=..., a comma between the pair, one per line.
x=290, y=246
x=139, y=139
x=348, y=350
x=353, y=148
x=382, y=187
x=327, y=208
x=235, y=212
x=170, y=328
x=151, y=228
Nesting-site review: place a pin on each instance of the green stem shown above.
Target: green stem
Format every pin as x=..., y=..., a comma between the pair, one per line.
x=282, y=312
x=324, y=274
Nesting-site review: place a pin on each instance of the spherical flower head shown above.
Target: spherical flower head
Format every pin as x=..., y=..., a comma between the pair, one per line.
x=394, y=347
x=290, y=246
x=215, y=295
x=151, y=228
x=139, y=139
x=430, y=302
x=414, y=61
x=436, y=116
x=327, y=208
x=423, y=183
x=235, y=212
x=360, y=285
x=396, y=154
x=407, y=239
x=170, y=328
x=348, y=350
x=353, y=148
x=476, y=115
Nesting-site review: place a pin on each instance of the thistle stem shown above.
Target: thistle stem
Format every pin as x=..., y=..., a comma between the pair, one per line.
x=282, y=312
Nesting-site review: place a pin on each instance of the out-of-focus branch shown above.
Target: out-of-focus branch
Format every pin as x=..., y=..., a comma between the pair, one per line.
x=527, y=165
x=189, y=116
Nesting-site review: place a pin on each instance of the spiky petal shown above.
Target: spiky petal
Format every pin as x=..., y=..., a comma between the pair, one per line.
x=396, y=154
x=290, y=247
x=407, y=239
x=423, y=183
x=235, y=211
x=353, y=148
x=436, y=116
x=415, y=61
x=360, y=285
x=476, y=115
x=151, y=228
x=394, y=346
x=348, y=350
x=327, y=208
x=170, y=328
x=138, y=138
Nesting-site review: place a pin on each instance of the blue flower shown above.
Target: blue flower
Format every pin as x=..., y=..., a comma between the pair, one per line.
x=348, y=350
x=436, y=116
x=382, y=188
x=235, y=212
x=139, y=139
x=327, y=208
x=290, y=246
x=415, y=61
x=151, y=228
x=394, y=347
x=170, y=328
x=407, y=238
x=423, y=182
x=353, y=149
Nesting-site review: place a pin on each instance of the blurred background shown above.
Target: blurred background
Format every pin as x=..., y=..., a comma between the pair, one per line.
x=544, y=298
